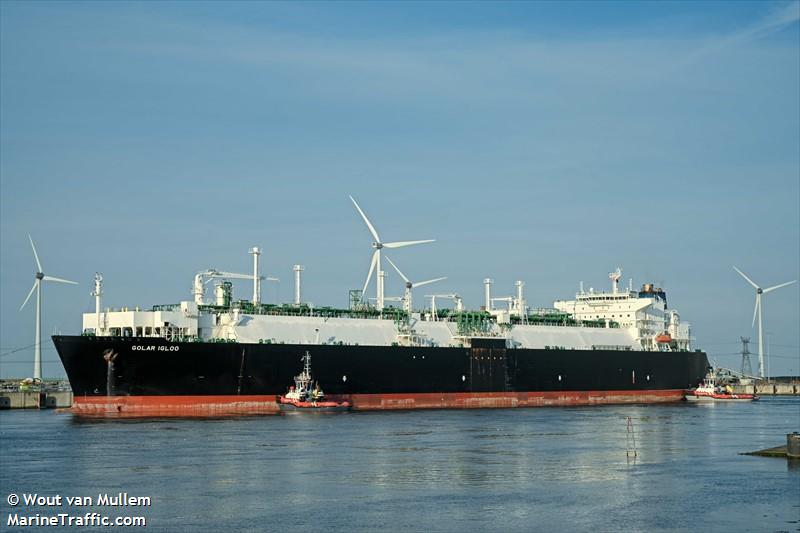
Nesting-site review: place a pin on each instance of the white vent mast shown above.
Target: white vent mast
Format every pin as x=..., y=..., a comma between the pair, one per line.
x=487, y=288
x=297, y=270
x=97, y=293
x=255, y=252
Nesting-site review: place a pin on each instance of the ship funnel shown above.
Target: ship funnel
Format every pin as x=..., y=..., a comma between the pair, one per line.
x=615, y=277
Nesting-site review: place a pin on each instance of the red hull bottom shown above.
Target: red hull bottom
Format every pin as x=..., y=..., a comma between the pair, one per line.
x=173, y=406
x=484, y=400
x=222, y=406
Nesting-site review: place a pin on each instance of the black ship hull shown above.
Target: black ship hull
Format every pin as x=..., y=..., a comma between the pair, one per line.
x=139, y=376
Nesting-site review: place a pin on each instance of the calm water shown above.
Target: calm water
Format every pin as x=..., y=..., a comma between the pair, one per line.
x=552, y=469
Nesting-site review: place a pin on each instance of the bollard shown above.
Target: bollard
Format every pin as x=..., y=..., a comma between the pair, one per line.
x=793, y=445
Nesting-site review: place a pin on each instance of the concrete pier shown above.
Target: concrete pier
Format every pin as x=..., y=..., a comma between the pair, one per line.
x=793, y=445
x=769, y=388
x=790, y=451
x=35, y=399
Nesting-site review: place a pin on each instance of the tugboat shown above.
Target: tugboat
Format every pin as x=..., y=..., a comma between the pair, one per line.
x=709, y=391
x=307, y=394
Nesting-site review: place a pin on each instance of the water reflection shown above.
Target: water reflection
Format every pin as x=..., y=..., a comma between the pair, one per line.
x=434, y=470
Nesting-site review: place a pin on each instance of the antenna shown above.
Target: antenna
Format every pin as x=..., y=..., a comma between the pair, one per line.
x=37, y=286
x=757, y=311
x=376, y=255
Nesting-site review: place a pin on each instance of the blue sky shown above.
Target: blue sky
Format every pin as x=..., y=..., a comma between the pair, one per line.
x=548, y=142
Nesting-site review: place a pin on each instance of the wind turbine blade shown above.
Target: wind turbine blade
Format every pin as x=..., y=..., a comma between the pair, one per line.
x=29, y=296
x=427, y=282
x=750, y=281
x=35, y=255
x=59, y=280
x=400, y=244
x=755, y=310
x=398, y=270
x=779, y=286
x=369, y=225
x=371, y=268
x=270, y=278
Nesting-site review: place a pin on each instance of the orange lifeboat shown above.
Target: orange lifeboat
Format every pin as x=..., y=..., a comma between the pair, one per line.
x=664, y=338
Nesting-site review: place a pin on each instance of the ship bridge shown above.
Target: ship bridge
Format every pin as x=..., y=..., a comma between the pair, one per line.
x=643, y=313
x=172, y=322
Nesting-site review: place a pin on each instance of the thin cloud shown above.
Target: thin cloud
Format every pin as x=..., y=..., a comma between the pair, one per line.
x=775, y=21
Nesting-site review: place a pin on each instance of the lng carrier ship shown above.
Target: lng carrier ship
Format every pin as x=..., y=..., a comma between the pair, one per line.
x=223, y=356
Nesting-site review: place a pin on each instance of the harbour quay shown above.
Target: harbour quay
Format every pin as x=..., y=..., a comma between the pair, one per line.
x=778, y=386
x=17, y=394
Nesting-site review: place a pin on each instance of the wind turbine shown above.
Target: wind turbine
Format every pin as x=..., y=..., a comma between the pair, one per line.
x=411, y=285
x=37, y=286
x=376, y=256
x=757, y=311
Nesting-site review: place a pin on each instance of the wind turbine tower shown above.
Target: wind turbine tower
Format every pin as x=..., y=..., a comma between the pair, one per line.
x=37, y=286
x=757, y=311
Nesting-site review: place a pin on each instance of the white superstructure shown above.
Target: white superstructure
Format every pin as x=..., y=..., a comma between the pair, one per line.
x=626, y=320
x=643, y=313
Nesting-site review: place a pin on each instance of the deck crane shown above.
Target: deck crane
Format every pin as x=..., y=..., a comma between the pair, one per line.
x=457, y=300
x=202, y=278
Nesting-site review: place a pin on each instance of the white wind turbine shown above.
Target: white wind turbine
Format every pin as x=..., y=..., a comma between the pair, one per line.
x=376, y=256
x=757, y=311
x=411, y=285
x=37, y=286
